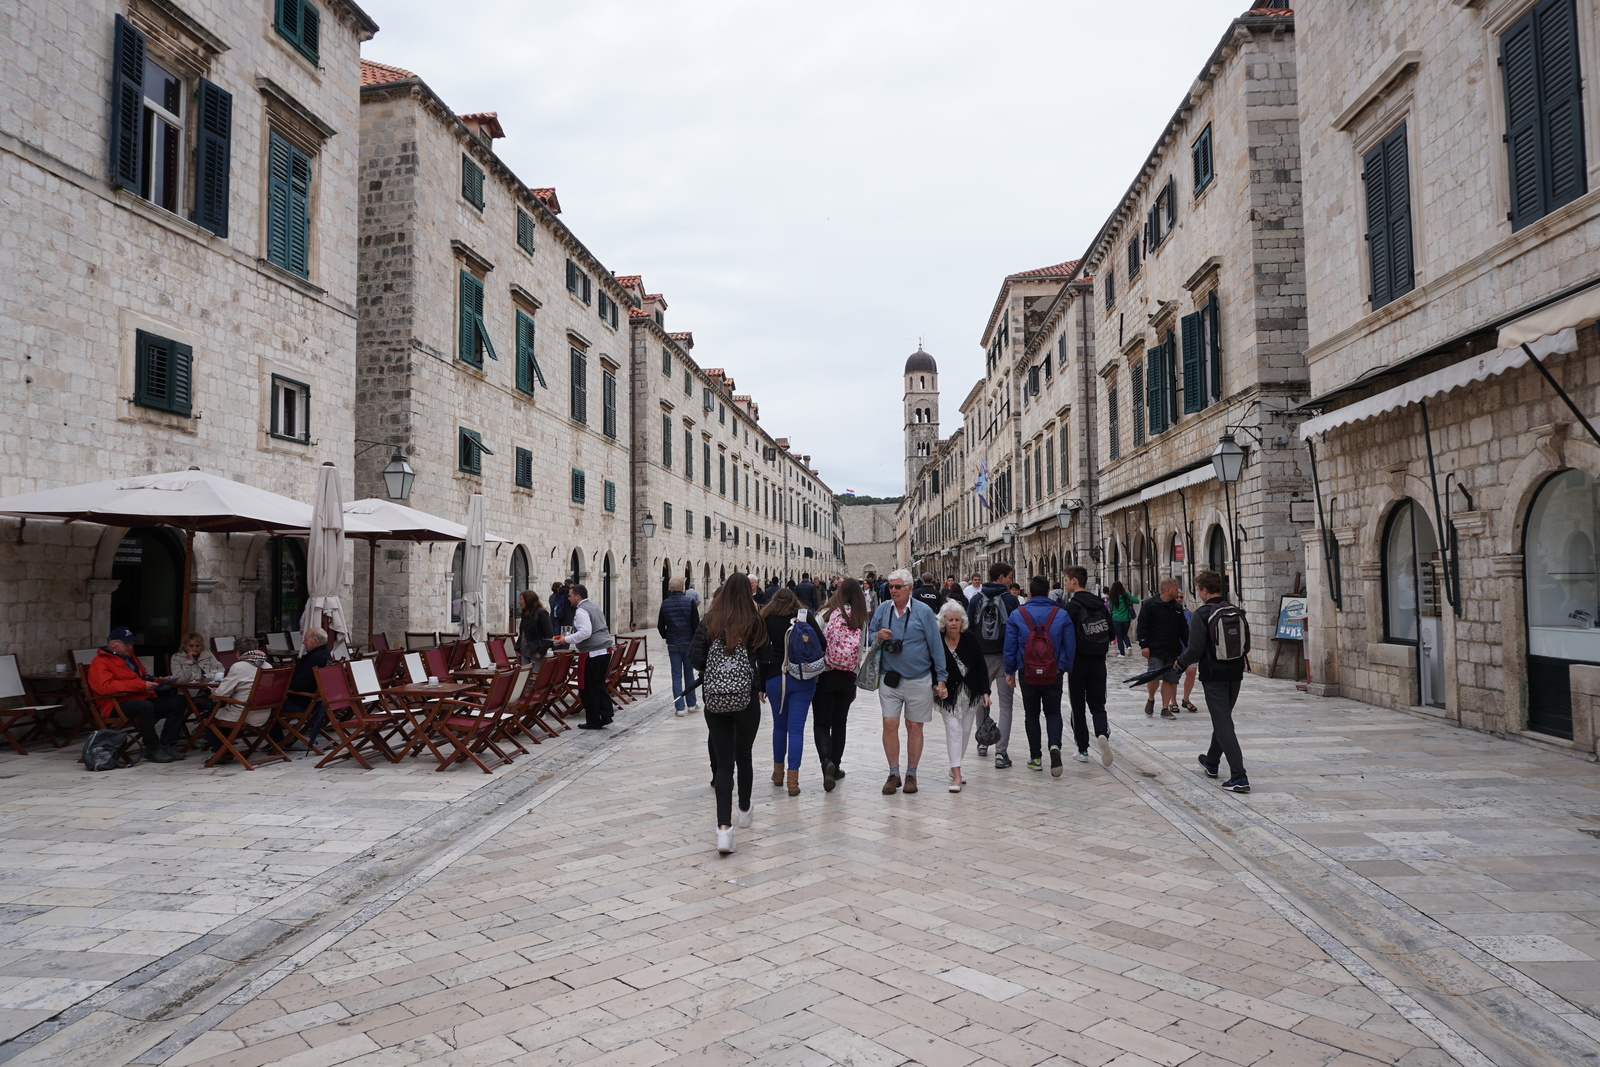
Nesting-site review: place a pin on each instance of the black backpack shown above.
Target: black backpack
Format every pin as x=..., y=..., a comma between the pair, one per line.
x=1094, y=626
x=110, y=750
x=992, y=624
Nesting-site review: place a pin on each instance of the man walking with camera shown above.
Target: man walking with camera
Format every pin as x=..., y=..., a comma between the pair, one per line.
x=913, y=675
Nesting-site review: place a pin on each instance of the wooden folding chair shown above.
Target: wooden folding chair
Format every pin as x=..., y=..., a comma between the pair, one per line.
x=31, y=713
x=223, y=649
x=267, y=694
x=356, y=721
x=416, y=641
x=415, y=672
x=278, y=647
x=528, y=712
x=456, y=652
x=388, y=663
x=509, y=724
x=378, y=642
x=621, y=652
x=112, y=718
x=437, y=663
x=500, y=653
x=468, y=726
x=638, y=678
x=568, y=696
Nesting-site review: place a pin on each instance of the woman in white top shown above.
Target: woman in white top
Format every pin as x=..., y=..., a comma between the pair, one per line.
x=967, y=689
x=194, y=662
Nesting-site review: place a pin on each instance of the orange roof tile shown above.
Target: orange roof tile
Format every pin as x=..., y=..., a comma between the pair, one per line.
x=629, y=280
x=379, y=73
x=487, y=120
x=1058, y=270
x=548, y=196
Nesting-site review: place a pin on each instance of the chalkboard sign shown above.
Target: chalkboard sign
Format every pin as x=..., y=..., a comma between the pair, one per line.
x=1291, y=618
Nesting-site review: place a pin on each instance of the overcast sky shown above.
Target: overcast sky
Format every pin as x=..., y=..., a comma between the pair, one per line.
x=814, y=187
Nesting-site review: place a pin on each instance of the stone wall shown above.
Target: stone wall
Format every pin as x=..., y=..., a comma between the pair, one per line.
x=869, y=539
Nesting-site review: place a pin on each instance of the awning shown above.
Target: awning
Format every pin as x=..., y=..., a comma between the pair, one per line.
x=1467, y=372
x=1563, y=316
x=1162, y=488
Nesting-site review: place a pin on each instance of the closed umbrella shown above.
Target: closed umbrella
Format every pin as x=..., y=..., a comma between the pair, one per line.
x=472, y=622
x=325, y=560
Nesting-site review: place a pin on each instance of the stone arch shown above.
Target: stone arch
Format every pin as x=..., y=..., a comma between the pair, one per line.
x=1550, y=458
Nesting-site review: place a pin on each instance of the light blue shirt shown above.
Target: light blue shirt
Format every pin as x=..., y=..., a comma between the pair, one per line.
x=922, y=651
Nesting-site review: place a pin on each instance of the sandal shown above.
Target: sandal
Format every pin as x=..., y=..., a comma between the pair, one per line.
x=1187, y=706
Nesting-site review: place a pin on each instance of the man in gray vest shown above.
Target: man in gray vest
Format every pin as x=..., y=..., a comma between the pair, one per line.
x=592, y=638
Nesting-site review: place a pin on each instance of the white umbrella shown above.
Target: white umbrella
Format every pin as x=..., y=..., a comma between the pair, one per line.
x=472, y=622
x=325, y=560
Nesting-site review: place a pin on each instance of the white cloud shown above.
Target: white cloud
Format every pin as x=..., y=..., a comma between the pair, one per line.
x=814, y=187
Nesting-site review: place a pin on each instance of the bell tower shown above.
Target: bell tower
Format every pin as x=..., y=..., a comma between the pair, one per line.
x=922, y=412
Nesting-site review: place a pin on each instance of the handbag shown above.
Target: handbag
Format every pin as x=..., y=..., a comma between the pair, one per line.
x=869, y=671
x=988, y=732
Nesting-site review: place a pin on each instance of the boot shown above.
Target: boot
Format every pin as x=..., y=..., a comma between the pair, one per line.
x=777, y=774
x=794, y=783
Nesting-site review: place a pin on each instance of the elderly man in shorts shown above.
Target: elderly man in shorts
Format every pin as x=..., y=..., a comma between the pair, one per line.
x=913, y=675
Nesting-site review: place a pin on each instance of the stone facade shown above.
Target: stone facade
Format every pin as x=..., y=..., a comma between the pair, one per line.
x=427, y=381
x=1200, y=327
x=724, y=493
x=869, y=539
x=1427, y=81
x=91, y=261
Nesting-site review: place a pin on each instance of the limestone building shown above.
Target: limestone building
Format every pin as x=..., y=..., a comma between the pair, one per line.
x=1199, y=332
x=868, y=532
x=921, y=403
x=179, y=251
x=716, y=491
x=494, y=354
x=1451, y=216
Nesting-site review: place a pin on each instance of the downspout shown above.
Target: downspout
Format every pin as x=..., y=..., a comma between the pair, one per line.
x=1188, y=538
x=1447, y=535
x=1330, y=548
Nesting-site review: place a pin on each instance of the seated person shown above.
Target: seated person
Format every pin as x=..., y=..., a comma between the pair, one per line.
x=239, y=680
x=303, y=683
x=194, y=662
x=116, y=672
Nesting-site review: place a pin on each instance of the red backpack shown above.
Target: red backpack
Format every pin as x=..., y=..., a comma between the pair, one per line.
x=1039, y=654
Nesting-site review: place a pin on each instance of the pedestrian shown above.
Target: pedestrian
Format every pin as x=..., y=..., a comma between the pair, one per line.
x=987, y=613
x=724, y=652
x=1121, y=605
x=691, y=592
x=591, y=636
x=967, y=689
x=1219, y=642
x=115, y=671
x=913, y=675
x=1189, y=675
x=1161, y=636
x=970, y=590
x=788, y=696
x=806, y=593
x=560, y=606
x=844, y=623
x=927, y=594
x=535, y=630
x=1039, y=650
x=677, y=622
x=1086, y=683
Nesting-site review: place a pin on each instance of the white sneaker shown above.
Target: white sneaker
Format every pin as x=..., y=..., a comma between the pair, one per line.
x=742, y=820
x=1104, y=744
x=680, y=713
x=1081, y=757
x=725, y=840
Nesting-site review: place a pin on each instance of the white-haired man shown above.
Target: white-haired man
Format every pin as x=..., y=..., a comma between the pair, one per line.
x=913, y=675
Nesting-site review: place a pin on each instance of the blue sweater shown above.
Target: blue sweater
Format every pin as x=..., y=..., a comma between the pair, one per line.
x=1018, y=628
x=923, y=651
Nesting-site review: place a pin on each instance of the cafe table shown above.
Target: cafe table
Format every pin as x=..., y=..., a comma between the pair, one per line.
x=418, y=702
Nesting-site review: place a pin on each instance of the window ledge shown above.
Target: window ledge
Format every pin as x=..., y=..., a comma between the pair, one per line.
x=471, y=255
x=290, y=440
x=268, y=267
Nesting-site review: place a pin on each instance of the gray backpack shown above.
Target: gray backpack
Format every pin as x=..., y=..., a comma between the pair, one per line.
x=110, y=750
x=730, y=679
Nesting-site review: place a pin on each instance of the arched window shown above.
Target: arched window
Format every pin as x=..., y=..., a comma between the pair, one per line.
x=1217, y=554
x=1408, y=547
x=922, y=381
x=456, y=571
x=1563, y=597
x=576, y=566
x=519, y=582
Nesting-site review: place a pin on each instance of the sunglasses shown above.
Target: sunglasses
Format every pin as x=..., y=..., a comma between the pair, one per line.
x=897, y=585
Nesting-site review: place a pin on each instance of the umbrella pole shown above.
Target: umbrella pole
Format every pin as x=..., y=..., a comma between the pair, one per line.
x=372, y=590
x=188, y=570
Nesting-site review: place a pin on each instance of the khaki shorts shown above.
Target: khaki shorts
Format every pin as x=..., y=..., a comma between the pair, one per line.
x=912, y=698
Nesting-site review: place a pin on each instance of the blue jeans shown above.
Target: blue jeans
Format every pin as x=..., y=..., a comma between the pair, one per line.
x=789, y=699
x=682, y=675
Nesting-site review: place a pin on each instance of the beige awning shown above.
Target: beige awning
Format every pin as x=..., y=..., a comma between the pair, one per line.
x=1162, y=488
x=1568, y=314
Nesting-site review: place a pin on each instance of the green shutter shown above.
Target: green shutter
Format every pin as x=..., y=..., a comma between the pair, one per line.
x=611, y=495
x=577, y=486
x=288, y=206
x=580, y=386
x=666, y=440
x=1194, y=383
x=163, y=374
x=1561, y=101
x=300, y=23
x=1152, y=390
x=213, y=152
x=524, y=231
x=1386, y=177
x=1169, y=378
x=471, y=315
x=524, y=468
x=472, y=182
x=127, y=104
x=1113, y=427
x=1137, y=408
x=608, y=403
x=1214, y=342
x=528, y=369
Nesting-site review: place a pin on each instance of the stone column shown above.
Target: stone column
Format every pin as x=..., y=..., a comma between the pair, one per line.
x=100, y=590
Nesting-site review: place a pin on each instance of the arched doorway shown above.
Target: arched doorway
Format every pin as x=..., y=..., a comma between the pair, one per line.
x=605, y=588
x=457, y=569
x=281, y=571
x=1563, y=598
x=666, y=578
x=1137, y=571
x=1217, y=555
x=149, y=599
x=519, y=582
x=1116, y=562
x=1411, y=596
x=575, y=567
x=1176, y=566
x=705, y=586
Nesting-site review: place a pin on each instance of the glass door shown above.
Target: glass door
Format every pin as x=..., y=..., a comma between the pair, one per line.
x=1563, y=598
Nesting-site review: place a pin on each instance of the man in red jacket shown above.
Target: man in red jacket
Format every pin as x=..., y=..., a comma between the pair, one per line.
x=116, y=672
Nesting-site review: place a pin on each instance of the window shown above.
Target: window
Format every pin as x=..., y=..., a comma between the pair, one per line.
x=1137, y=376
x=666, y=362
x=688, y=383
x=1544, y=110
x=474, y=340
x=1408, y=548
x=611, y=495
x=1161, y=385
x=705, y=455
x=608, y=403
x=577, y=486
x=1200, y=156
x=1061, y=350
x=524, y=468
x=524, y=231
x=288, y=206
x=300, y=23
x=666, y=439
x=1386, y=175
x=578, y=282
x=1111, y=289
x=1133, y=259
x=708, y=527
x=162, y=373
x=291, y=410
x=688, y=453
x=722, y=414
x=1162, y=216
x=1115, y=448
x=666, y=516
x=722, y=475
x=1066, y=479
x=580, y=386
x=528, y=370
x=608, y=310
x=688, y=521
x=472, y=182
x=470, y=451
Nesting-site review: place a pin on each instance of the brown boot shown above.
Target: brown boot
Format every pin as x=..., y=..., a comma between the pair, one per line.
x=794, y=783
x=777, y=774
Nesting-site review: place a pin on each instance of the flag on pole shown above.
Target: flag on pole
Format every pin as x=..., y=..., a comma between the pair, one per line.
x=981, y=486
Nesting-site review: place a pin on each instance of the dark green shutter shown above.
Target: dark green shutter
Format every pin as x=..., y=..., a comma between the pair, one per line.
x=163, y=374
x=1172, y=202
x=1169, y=378
x=127, y=105
x=1519, y=67
x=666, y=440
x=310, y=31
x=524, y=230
x=472, y=182
x=1137, y=374
x=1152, y=390
x=471, y=314
x=1214, y=341
x=1194, y=383
x=528, y=369
x=1113, y=423
x=289, y=20
x=213, y=154
x=524, y=468
x=608, y=403
x=1561, y=101
x=580, y=386
x=299, y=213
x=278, y=200
x=1386, y=176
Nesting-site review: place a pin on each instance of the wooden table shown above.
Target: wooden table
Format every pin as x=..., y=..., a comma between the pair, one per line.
x=420, y=716
x=71, y=694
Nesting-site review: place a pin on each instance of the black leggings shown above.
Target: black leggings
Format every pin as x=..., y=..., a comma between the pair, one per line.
x=830, y=711
x=731, y=738
x=1221, y=694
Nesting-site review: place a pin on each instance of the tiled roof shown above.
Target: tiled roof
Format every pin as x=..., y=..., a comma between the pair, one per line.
x=378, y=73
x=637, y=313
x=488, y=120
x=629, y=280
x=549, y=198
x=1058, y=270
x=1276, y=11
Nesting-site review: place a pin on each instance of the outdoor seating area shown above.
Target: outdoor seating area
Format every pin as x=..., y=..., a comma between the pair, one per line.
x=460, y=702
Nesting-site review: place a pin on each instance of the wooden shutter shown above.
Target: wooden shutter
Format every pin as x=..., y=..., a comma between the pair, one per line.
x=666, y=440
x=524, y=468
x=288, y=206
x=1200, y=155
x=1137, y=374
x=524, y=230
x=1169, y=378
x=572, y=276
x=310, y=31
x=163, y=373
x=127, y=105
x=1561, y=102
x=1519, y=68
x=577, y=486
x=1214, y=344
x=527, y=363
x=471, y=311
x=289, y=20
x=1386, y=176
x=580, y=386
x=608, y=401
x=213, y=153
x=1172, y=202
x=688, y=453
x=299, y=213
x=611, y=495
x=1194, y=383
x=1113, y=427
x=1153, y=391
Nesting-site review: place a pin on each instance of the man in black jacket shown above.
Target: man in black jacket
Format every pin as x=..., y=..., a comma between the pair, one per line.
x=995, y=592
x=676, y=622
x=928, y=593
x=806, y=593
x=303, y=682
x=1219, y=680
x=1162, y=631
x=1086, y=682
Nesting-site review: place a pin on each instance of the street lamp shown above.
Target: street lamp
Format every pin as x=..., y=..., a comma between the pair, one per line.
x=1227, y=459
x=647, y=525
x=398, y=476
